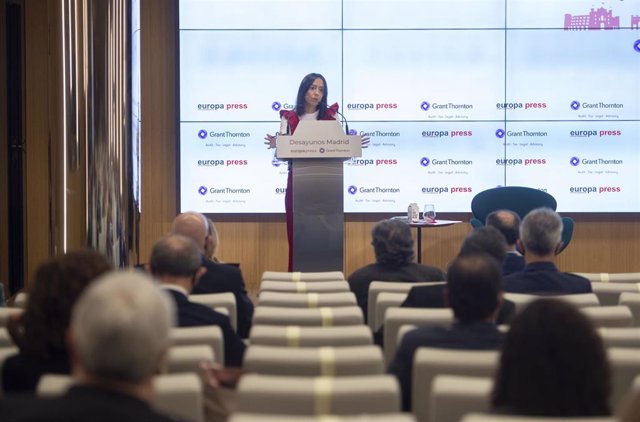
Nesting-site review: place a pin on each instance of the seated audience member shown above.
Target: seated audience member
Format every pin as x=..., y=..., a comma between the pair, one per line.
x=474, y=292
x=176, y=262
x=118, y=340
x=219, y=278
x=393, y=245
x=540, y=238
x=39, y=332
x=508, y=223
x=553, y=364
x=483, y=240
x=212, y=246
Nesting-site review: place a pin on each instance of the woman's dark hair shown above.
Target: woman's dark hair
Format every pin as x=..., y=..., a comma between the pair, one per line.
x=553, y=364
x=392, y=242
x=58, y=284
x=307, y=81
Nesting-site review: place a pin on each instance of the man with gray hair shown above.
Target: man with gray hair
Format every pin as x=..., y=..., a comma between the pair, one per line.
x=176, y=262
x=119, y=336
x=540, y=238
x=219, y=278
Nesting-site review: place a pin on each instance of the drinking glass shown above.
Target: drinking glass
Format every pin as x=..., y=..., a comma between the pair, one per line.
x=429, y=213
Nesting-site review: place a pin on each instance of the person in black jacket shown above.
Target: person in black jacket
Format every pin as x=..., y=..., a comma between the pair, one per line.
x=508, y=223
x=176, y=263
x=219, y=278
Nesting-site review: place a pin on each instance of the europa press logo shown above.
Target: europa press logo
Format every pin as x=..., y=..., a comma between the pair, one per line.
x=352, y=190
x=202, y=190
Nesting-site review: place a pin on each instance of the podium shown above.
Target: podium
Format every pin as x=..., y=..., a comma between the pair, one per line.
x=317, y=150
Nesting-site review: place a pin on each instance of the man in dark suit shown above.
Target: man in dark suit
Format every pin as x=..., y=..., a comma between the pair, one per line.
x=176, y=262
x=118, y=340
x=540, y=238
x=219, y=278
x=393, y=245
x=508, y=223
x=474, y=292
x=483, y=240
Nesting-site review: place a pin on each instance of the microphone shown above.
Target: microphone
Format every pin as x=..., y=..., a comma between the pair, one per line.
x=344, y=119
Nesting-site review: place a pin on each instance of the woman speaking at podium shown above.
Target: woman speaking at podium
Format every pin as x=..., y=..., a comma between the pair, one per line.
x=311, y=104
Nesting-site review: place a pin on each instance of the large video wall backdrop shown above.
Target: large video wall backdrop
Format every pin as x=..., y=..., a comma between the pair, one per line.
x=457, y=97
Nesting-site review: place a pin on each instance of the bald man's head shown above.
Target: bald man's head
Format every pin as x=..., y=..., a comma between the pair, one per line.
x=192, y=225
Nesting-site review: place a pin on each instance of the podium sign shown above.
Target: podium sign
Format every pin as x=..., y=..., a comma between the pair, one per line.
x=318, y=139
x=317, y=151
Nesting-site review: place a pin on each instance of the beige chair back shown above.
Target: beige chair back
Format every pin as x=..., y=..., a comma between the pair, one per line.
x=179, y=395
x=453, y=396
x=303, y=276
x=609, y=293
x=5, y=338
x=53, y=385
x=297, y=336
x=306, y=300
x=269, y=394
x=207, y=335
x=579, y=299
x=620, y=336
x=216, y=301
x=611, y=277
x=385, y=417
x=377, y=287
x=384, y=301
x=6, y=313
x=188, y=358
x=430, y=362
x=313, y=362
x=420, y=317
x=632, y=301
x=625, y=367
x=315, y=317
x=304, y=287
x=609, y=316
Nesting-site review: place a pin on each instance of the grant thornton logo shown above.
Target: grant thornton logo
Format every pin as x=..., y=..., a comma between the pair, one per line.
x=202, y=190
x=574, y=161
x=202, y=134
x=425, y=106
x=276, y=106
x=352, y=190
x=424, y=161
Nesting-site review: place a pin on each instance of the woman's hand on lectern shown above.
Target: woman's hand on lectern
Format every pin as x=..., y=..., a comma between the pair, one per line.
x=364, y=141
x=271, y=141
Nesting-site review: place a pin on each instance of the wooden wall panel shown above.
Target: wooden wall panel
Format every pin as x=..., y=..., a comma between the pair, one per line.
x=601, y=243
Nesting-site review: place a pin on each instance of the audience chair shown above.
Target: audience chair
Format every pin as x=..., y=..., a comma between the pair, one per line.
x=303, y=276
x=306, y=300
x=631, y=301
x=633, y=278
x=385, y=417
x=609, y=316
x=318, y=317
x=625, y=367
x=188, y=358
x=609, y=293
x=453, y=396
x=297, y=336
x=304, y=287
x=53, y=385
x=430, y=362
x=384, y=301
x=481, y=417
x=216, y=301
x=397, y=317
x=620, y=337
x=5, y=338
x=377, y=287
x=208, y=335
x=318, y=395
x=579, y=299
x=6, y=313
x=179, y=395
x=520, y=200
x=313, y=362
